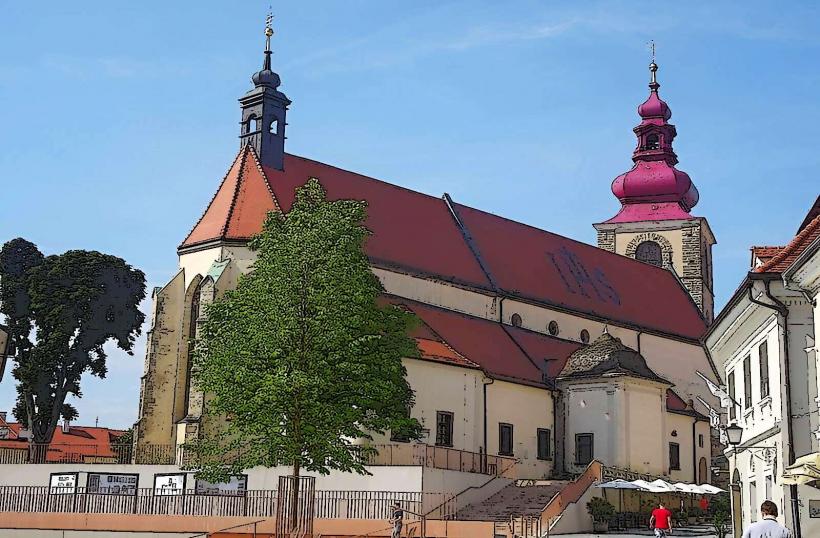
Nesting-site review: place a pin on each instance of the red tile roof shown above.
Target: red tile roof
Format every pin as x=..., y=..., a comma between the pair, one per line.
x=503, y=352
x=419, y=234
x=239, y=206
x=79, y=444
x=549, y=268
x=676, y=403
x=783, y=259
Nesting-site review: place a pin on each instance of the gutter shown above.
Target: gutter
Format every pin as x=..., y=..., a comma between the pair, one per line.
x=783, y=311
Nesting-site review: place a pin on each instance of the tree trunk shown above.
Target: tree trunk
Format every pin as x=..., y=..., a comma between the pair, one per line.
x=294, y=500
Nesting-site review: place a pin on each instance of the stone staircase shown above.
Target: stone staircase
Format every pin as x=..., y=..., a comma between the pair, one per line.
x=522, y=498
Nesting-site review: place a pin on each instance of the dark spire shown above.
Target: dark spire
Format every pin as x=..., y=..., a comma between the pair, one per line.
x=263, y=111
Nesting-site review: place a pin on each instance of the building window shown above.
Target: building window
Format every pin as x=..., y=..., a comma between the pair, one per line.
x=544, y=440
x=274, y=127
x=649, y=252
x=747, y=382
x=516, y=320
x=753, y=507
x=674, y=456
x=700, y=440
x=653, y=141
x=444, y=428
x=505, y=439
x=769, y=487
x=585, y=336
x=763, y=353
x=584, y=448
x=732, y=409
x=552, y=328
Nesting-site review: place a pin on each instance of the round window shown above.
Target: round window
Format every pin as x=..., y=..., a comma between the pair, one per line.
x=584, y=336
x=516, y=320
x=553, y=327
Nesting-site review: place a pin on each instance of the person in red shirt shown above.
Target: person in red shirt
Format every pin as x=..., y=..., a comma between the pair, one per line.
x=704, y=504
x=661, y=521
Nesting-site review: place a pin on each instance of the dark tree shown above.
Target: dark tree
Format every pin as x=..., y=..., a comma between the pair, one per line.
x=61, y=310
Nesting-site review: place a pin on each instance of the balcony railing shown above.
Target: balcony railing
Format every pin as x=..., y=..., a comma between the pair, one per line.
x=439, y=457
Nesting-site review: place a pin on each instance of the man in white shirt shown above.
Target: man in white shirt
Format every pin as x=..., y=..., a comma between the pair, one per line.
x=768, y=527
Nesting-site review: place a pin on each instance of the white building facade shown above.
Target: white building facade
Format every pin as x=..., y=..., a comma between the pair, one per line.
x=764, y=344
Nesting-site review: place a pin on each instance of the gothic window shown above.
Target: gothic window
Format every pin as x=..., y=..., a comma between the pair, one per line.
x=194, y=317
x=703, y=472
x=274, y=127
x=552, y=328
x=653, y=141
x=516, y=320
x=649, y=252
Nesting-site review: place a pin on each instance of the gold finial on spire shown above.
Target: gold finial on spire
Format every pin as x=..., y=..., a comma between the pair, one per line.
x=268, y=28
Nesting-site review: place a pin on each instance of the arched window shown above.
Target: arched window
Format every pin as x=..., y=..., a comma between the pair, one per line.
x=653, y=141
x=584, y=336
x=250, y=125
x=192, y=324
x=274, y=127
x=649, y=252
x=516, y=320
x=552, y=328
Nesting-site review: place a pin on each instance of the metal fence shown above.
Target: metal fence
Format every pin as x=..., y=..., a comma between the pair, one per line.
x=254, y=503
x=436, y=457
x=439, y=457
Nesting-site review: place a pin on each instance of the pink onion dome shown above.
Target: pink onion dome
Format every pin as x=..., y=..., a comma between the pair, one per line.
x=654, y=189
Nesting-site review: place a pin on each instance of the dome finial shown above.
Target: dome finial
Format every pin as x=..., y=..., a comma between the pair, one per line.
x=653, y=69
x=266, y=76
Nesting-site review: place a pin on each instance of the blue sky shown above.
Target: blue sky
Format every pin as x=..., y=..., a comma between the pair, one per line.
x=120, y=119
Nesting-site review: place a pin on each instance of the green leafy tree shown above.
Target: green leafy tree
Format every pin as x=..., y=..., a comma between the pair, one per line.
x=300, y=357
x=61, y=310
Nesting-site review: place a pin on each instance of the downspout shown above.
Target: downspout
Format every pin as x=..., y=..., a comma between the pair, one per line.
x=783, y=310
x=695, y=469
x=486, y=453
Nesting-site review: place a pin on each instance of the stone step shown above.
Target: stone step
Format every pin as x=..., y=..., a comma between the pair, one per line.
x=513, y=500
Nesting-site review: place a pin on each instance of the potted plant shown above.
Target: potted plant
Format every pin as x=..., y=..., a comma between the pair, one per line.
x=720, y=522
x=601, y=511
x=697, y=514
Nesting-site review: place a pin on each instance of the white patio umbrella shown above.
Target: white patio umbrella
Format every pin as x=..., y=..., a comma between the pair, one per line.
x=662, y=486
x=710, y=489
x=618, y=484
x=689, y=488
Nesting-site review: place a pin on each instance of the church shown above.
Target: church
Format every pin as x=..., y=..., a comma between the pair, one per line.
x=537, y=351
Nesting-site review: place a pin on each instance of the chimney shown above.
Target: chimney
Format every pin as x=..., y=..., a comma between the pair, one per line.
x=3, y=415
x=66, y=425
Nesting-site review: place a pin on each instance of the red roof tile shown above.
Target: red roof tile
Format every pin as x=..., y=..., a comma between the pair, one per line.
x=80, y=443
x=548, y=268
x=501, y=351
x=417, y=233
x=239, y=206
x=787, y=256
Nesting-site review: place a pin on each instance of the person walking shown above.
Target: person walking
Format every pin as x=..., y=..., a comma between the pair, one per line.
x=396, y=519
x=768, y=527
x=661, y=521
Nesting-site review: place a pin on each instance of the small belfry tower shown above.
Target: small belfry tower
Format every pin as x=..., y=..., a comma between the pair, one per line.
x=654, y=224
x=264, y=111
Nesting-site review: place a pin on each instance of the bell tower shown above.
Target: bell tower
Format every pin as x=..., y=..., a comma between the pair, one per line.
x=264, y=110
x=654, y=224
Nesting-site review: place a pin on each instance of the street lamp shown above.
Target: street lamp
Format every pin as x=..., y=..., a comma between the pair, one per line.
x=733, y=435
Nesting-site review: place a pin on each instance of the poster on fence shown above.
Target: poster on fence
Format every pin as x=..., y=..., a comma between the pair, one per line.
x=113, y=483
x=237, y=486
x=63, y=483
x=169, y=484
